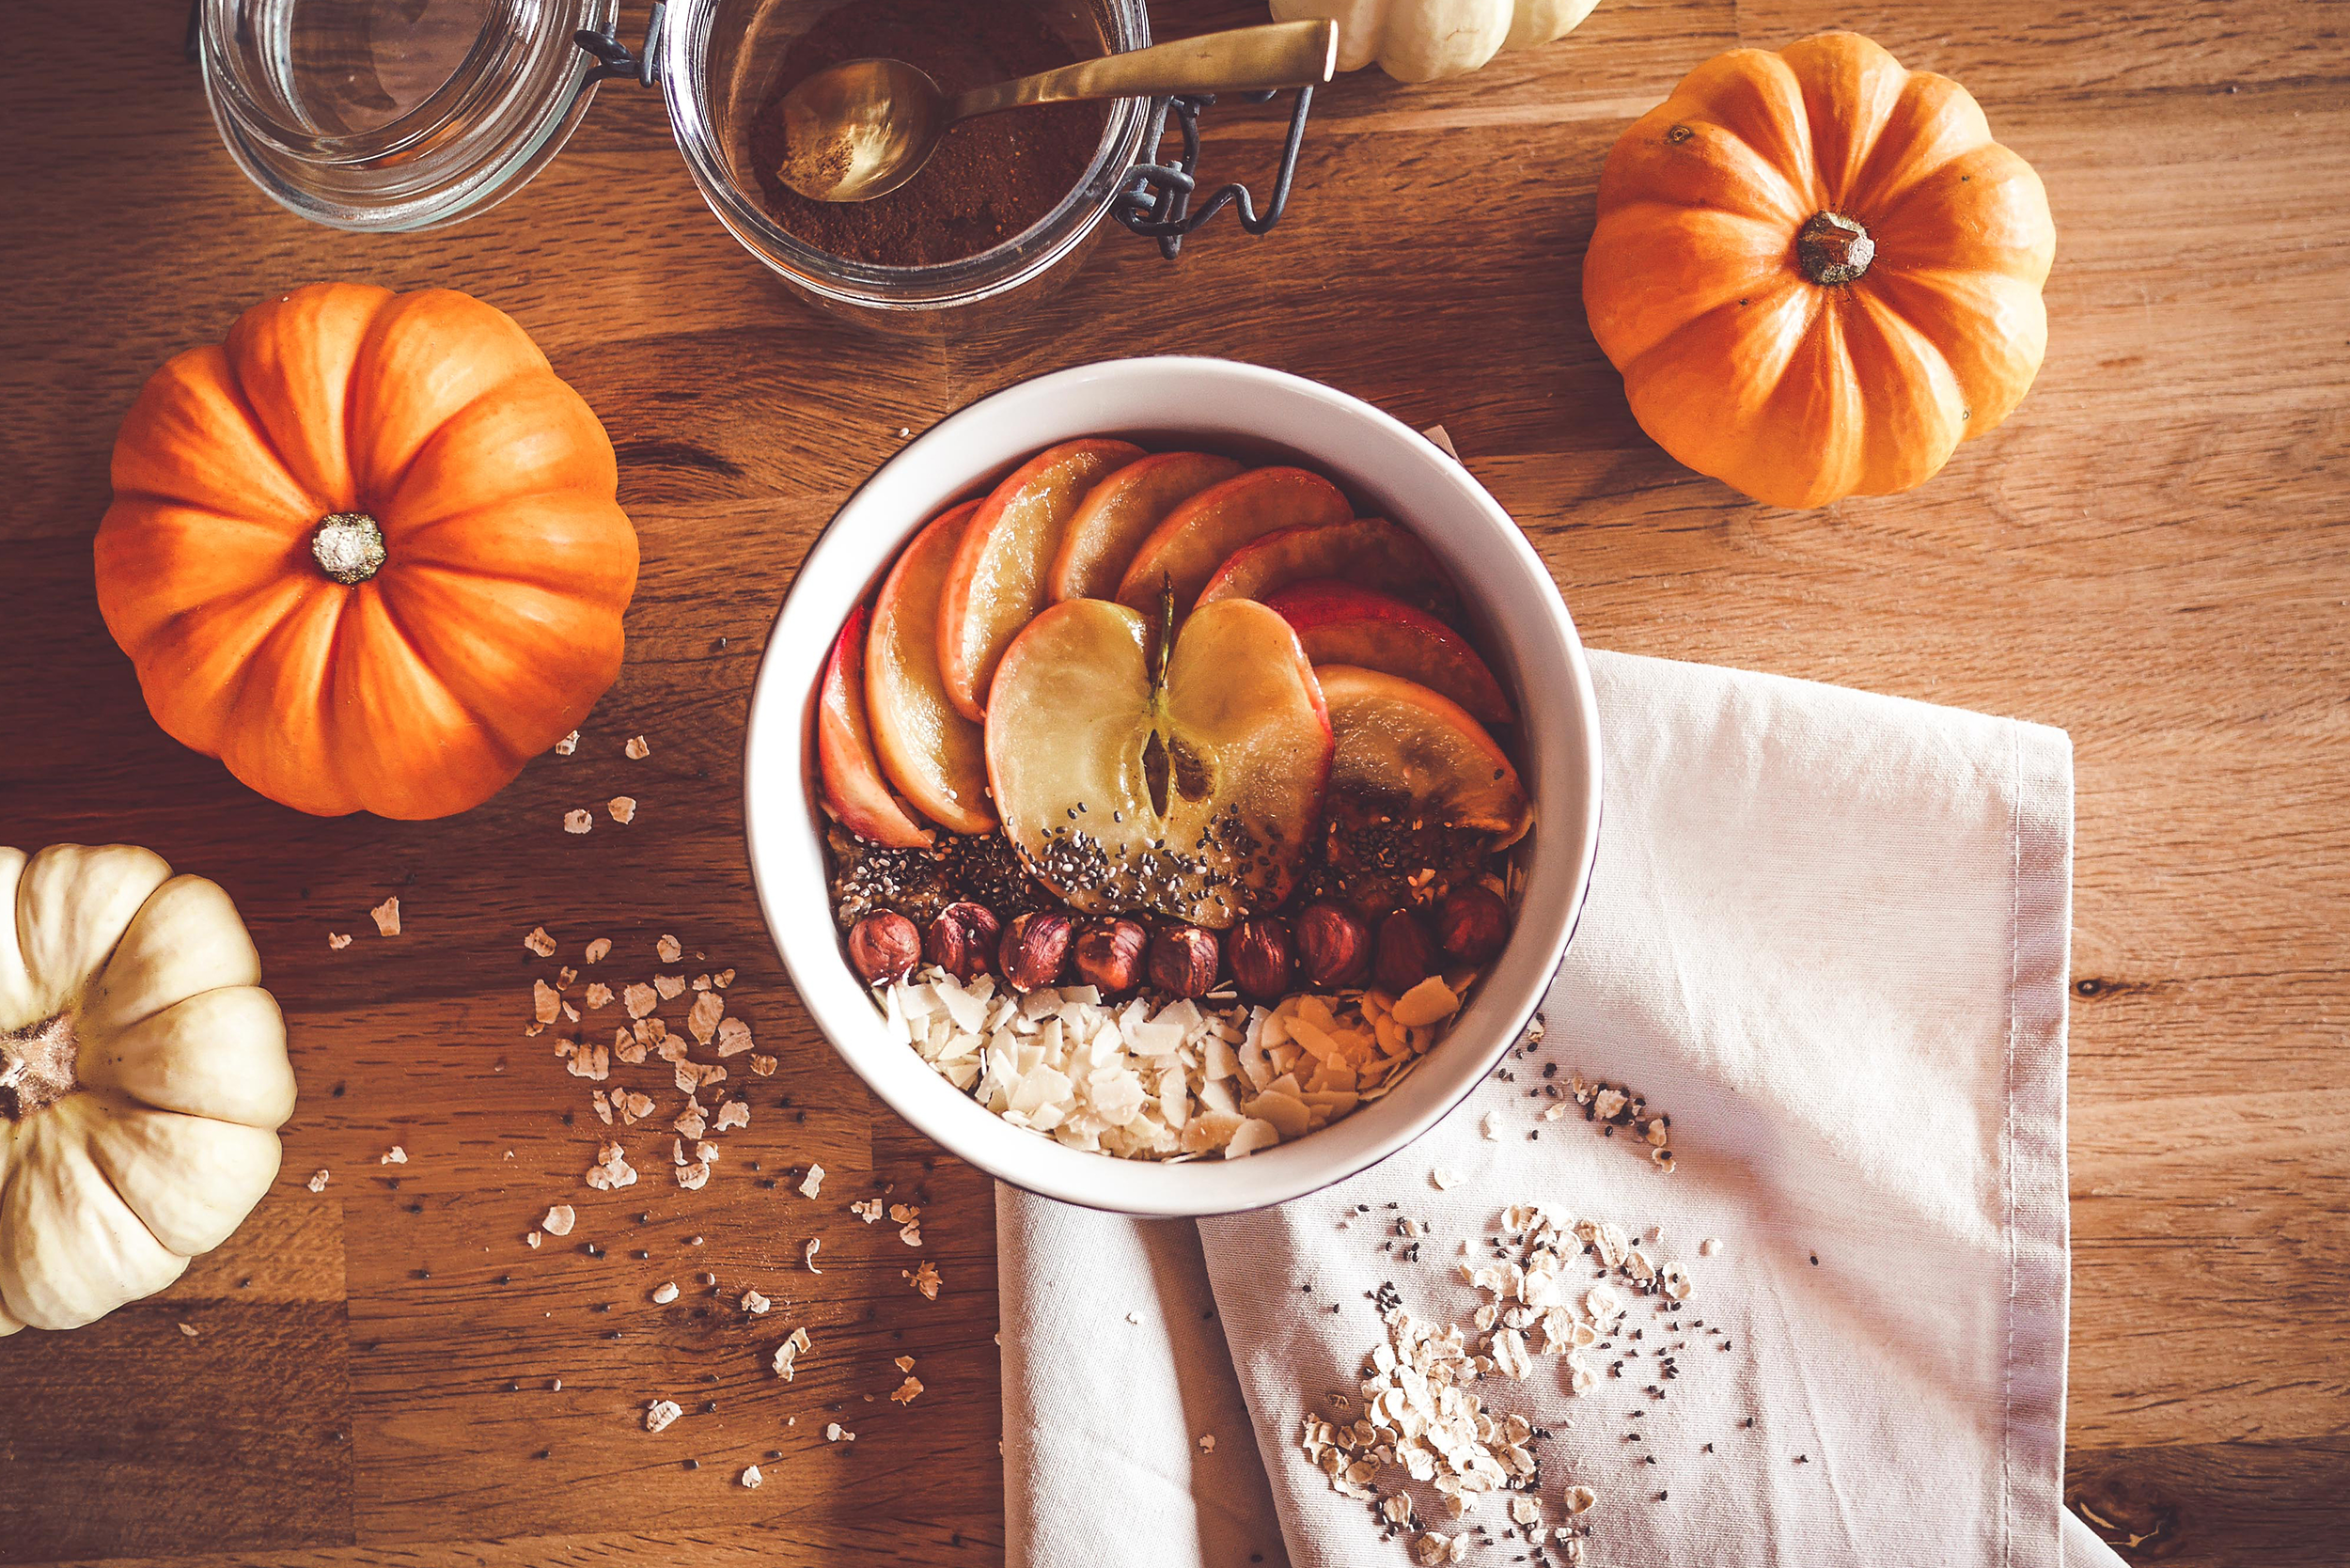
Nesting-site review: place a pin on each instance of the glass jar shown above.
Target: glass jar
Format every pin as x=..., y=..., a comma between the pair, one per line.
x=401, y=114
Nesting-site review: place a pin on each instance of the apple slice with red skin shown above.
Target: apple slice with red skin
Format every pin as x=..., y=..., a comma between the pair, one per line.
x=935, y=757
x=1000, y=578
x=1341, y=623
x=860, y=800
x=1417, y=755
x=1118, y=514
x=1185, y=780
x=1370, y=552
x=1199, y=535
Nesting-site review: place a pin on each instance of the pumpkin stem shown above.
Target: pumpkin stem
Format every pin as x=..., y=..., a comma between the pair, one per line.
x=36, y=1065
x=349, y=546
x=1832, y=249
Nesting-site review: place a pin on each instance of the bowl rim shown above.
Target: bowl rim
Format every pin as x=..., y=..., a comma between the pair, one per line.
x=775, y=732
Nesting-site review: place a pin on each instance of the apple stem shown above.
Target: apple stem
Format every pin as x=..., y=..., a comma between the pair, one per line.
x=1166, y=634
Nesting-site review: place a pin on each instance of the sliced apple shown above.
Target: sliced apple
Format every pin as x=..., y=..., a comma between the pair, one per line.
x=1188, y=781
x=1118, y=514
x=935, y=757
x=1341, y=623
x=998, y=580
x=1419, y=756
x=1198, y=535
x=1368, y=551
x=851, y=774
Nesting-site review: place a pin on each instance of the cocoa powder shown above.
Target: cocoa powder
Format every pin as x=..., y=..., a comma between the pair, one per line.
x=990, y=177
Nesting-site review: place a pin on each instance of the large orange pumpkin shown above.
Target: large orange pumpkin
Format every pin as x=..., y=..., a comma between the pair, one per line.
x=366, y=552
x=1817, y=271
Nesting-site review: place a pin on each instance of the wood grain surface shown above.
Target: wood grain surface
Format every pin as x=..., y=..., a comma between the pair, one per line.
x=2153, y=553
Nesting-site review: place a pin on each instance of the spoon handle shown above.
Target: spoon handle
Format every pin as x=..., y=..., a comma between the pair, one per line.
x=1241, y=59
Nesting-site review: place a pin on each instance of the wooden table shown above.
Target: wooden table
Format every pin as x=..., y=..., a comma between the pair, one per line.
x=2152, y=554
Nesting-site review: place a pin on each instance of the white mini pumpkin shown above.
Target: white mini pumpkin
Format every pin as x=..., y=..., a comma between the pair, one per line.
x=143, y=1078
x=1420, y=40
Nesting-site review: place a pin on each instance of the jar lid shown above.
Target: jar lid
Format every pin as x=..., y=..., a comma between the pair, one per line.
x=396, y=115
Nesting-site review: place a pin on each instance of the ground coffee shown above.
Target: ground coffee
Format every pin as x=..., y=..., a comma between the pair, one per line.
x=990, y=177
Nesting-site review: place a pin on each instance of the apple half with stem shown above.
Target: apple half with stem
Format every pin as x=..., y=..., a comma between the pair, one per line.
x=1369, y=552
x=998, y=580
x=1141, y=769
x=1419, y=757
x=1342, y=623
x=854, y=789
x=1197, y=537
x=935, y=757
x=1118, y=514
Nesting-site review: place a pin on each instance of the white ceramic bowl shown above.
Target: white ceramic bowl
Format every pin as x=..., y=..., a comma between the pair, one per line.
x=1390, y=470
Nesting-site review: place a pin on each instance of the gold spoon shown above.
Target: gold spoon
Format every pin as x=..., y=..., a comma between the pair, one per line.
x=863, y=128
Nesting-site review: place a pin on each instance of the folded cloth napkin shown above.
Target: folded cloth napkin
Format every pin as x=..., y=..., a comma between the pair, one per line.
x=1827, y=936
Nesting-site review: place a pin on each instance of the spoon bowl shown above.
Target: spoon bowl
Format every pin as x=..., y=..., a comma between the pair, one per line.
x=861, y=129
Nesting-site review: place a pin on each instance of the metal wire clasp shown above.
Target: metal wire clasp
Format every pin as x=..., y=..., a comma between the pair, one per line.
x=615, y=59
x=1157, y=202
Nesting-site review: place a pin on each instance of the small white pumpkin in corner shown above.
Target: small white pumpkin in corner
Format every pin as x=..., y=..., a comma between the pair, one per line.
x=1423, y=40
x=143, y=1079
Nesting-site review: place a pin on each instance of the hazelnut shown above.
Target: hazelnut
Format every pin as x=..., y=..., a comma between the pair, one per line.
x=1472, y=922
x=1406, y=956
x=885, y=945
x=1261, y=959
x=1333, y=946
x=962, y=939
x=1184, y=960
x=1032, y=950
x=1108, y=955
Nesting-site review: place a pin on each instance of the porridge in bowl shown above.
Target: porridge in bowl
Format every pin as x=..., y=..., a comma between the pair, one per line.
x=1170, y=808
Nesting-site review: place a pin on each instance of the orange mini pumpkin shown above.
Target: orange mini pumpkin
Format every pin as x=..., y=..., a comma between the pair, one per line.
x=1817, y=271
x=366, y=552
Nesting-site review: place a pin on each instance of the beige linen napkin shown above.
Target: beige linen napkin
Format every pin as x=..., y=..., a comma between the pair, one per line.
x=1827, y=934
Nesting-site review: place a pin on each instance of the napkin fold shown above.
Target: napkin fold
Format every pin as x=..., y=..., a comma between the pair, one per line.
x=1828, y=935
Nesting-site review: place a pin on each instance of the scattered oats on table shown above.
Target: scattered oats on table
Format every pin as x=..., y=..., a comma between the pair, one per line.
x=1443, y=1177
x=670, y=987
x=755, y=1304
x=598, y=948
x=531, y=1240
x=807, y=1254
x=539, y=942
x=545, y=1005
x=734, y=1037
x=568, y=744
x=559, y=1220
x=866, y=1209
x=386, y=917
x=907, y=1390
x=1491, y=1127
x=337, y=941
x=639, y=998
x=665, y=1293
x=733, y=1113
x=597, y=995
x=624, y=808
x=577, y=820
x=836, y=1432
x=925, y=1278
x=659, y=1413
x=903, y=1363
x=667, y=949
x=393, y=1155
x=788, y=1354
x=188, y=1329
x=1207, y=1442
x=751, y=1478
x=317, y=1182
x=813, y=1181
x=637, y=750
